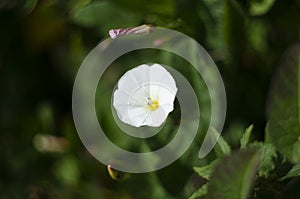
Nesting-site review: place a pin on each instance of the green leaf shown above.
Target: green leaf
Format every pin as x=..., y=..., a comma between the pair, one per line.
x=200, y=192
x=295, y=171
x=222, y=148
x=283, y=107
x=46, y=117
x=233, y=133
x=205, y=171
x=257, y=35
x=157, y=7
x=246, y=137
x=75, y=5
x=29, y=6
x=104, y=15
x=268, y=152
x=211, y=13
x=67, y=170
x=234, y=175
x=260, y=7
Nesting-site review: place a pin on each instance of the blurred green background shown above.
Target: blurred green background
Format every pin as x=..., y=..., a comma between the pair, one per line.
x=42, y=44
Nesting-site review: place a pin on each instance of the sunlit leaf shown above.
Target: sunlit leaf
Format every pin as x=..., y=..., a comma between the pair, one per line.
x=234, y=175
x=283, y=106
x=268, y=153
x=260, y=7
x=246, y=137
x=295, y=171
x=205, y=171
x=222, y=147
x=257, y=35
x=76, y=4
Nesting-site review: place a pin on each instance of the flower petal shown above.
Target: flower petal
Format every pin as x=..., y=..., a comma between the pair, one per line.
x=134, y=79
x=164, y=95
x=139, y=116
x=157, y=117
x=160, y=75
x=132, y=109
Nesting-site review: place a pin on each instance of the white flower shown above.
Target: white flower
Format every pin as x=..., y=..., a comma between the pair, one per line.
x=145, y=95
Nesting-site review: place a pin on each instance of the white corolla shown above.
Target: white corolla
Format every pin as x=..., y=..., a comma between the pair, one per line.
x=145, y=96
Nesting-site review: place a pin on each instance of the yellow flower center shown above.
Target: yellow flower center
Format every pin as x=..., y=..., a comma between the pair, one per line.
x=152, y=104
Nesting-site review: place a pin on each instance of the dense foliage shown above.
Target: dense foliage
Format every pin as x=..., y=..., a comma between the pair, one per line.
x=255, y=45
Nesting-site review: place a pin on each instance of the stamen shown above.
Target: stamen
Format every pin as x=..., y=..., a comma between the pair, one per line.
x=149, y=101
x=152, y=104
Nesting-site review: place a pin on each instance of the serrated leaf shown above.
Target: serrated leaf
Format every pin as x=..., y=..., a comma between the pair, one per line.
x=222, y=147
x=283, y=106
x=205, y=171
x=268, y=152
x=200, y=192
x=246, y=137
x=234, y=175
x=295, y=171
